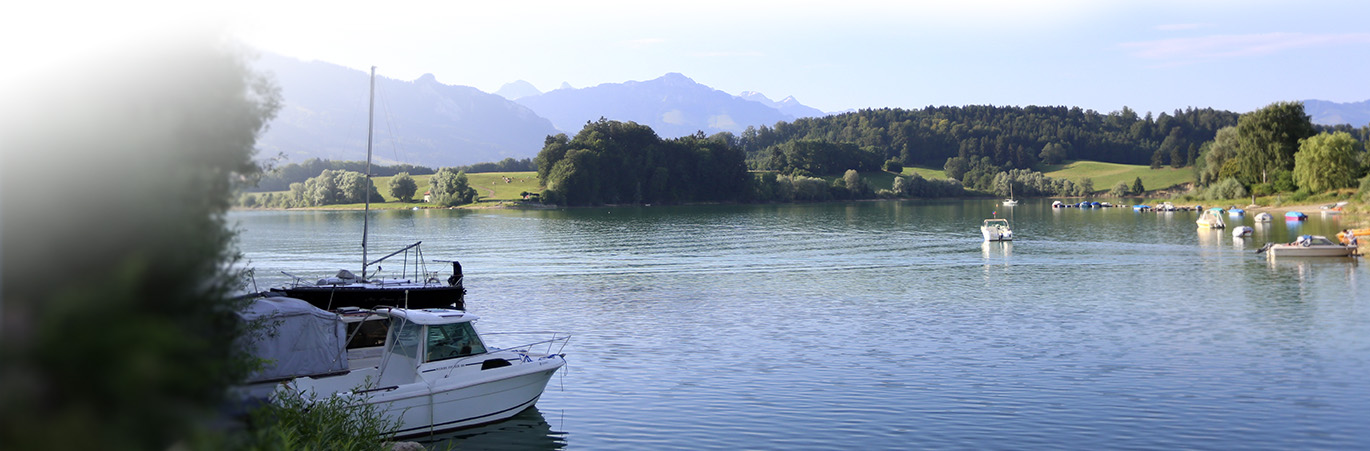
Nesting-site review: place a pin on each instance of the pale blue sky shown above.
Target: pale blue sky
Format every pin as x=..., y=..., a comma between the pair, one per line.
x=1156, y=56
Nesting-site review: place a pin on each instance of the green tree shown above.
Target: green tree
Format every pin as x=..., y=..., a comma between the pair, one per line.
x=1326, y=161
x=854, y=183
x=1118, y=190
x=1216, y=153
x=450, y=188
x=138, y=348
x=1267, y=140
x=1052, y=153
x=894, y=165
x=403, y=187
x=1137, y=187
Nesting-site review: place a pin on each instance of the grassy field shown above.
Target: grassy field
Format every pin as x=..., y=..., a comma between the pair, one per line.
x=1105, y=175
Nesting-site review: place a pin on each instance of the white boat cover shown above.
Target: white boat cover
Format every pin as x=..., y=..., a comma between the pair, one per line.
x=298, y=339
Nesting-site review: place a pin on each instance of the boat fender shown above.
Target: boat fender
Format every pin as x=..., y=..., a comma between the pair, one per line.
x=434, y=280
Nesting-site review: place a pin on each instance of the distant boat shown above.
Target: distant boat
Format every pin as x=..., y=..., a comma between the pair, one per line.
x=1057, y=204
x=996, y=230
x=1295, y=216
x=1212, y=218
x=1264, y=217
x=1141, y=207
x=1236, y=212
x=1010, y=201
x=1242, y=231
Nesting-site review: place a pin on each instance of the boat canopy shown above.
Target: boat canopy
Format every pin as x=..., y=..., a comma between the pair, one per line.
x=298, y=339
x=431, y=315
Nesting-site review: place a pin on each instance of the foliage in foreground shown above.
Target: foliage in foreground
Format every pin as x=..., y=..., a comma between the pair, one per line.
x=119, y=326
x=305, y=421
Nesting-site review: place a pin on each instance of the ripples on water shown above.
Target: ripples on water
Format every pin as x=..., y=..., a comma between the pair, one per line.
x=891, y=325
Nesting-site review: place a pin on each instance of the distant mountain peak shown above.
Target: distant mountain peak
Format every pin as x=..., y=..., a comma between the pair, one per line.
x=517, y=89
x=565, y=85
x=675, y=79
x=427, y=78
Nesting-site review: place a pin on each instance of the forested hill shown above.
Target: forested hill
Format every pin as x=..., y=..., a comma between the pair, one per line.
x=1012, y=137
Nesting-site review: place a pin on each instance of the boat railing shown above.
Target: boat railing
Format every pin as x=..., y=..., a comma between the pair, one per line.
x=557, y=340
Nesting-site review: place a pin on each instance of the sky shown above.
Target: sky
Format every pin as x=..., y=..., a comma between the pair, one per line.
x=1152, y=56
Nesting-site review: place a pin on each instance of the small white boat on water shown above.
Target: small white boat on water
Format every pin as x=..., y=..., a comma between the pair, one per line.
x=1242, y=231
x=1308, y=246
x=1264, y=217
x=996, y=230
x=1010, y=201
x=430, y=372
x=1212, y=218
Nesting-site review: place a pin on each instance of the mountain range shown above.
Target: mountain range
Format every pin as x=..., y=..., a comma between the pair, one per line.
x=1332, y=113
x=425, y=122
x=428, y=123
x=324, y=109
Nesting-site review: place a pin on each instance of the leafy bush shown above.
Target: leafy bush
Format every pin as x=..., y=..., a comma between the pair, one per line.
x=1300, y=195
x=1228, y=188
x=303, y=421
x=894, y=165
x=1119, y=190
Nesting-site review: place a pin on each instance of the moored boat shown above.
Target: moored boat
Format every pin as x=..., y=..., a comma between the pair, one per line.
x=1294, y=216
x=1308, y=246
x=1236, y=212
x=432, y=371
x=415, y=287
x=1212, y=218
x=1242, y=231
x=1264, y=217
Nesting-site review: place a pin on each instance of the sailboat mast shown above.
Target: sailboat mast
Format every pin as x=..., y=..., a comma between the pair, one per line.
x=370, y=118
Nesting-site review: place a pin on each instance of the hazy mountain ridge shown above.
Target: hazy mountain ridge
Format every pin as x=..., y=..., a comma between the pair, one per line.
x=324, y=110
x=789, y=105
x=1325, y=112
x=673, y=105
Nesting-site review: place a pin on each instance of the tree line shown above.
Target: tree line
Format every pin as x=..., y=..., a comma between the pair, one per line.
x=625, y=162
x=280, y=178
x=1278, y=149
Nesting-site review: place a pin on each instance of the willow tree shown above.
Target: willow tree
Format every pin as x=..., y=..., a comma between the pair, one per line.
x=1326, y=161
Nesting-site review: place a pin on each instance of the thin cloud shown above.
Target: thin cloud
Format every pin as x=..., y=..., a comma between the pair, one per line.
x=642, y=43
x=748, y=54
x=1181, y=26
x=1181, y=50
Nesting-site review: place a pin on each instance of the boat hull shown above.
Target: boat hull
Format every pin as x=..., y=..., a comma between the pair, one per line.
x=422, y=411
x=355, y=295
x=1290, y=250
x=995, y=234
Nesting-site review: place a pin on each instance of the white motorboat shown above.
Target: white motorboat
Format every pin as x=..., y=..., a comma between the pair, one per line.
x=1308, y=246
x=1264, y=217
x=1242, y=231
x=1212, y=218
x=432, y=372
x=996, y=230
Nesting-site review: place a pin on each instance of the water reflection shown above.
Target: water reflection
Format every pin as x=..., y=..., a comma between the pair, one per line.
x=1209, y=237
x=528, y=430
x=989, y=249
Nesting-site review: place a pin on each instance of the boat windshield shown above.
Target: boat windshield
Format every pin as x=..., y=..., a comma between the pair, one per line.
x=446, y=341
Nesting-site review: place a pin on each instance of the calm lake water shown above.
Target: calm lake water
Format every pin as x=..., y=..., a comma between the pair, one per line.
x=891, y=325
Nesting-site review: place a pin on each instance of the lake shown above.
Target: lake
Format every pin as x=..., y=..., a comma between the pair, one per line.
x=890, y=325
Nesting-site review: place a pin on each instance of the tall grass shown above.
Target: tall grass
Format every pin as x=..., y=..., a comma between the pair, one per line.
x=304, y=421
